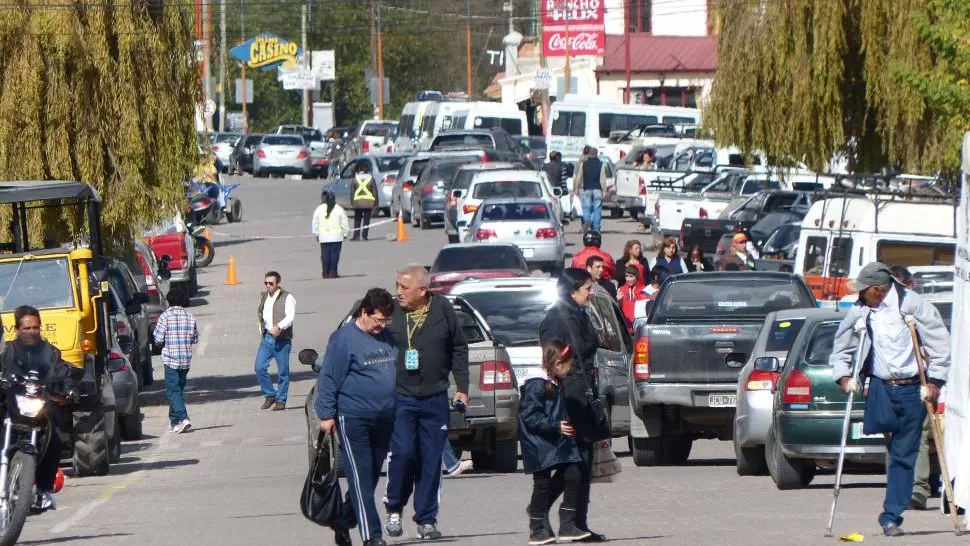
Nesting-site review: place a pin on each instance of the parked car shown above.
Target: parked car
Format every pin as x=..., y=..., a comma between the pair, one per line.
x=224, y=146
x=384, y=169
x=461, y=180
x=407, y=175
x=124, y=379
x=530, y=224
x=241, y=160
x=697, y=335
x=535, y=148
x=503, y=184
x=756, y=387
x=488, y=426
x=779, y=249
x=282, y=154
x=171, y=244
x=151, y=277
x=132, y=302
x=459, y=262
x=431, y=189
x=513, y=309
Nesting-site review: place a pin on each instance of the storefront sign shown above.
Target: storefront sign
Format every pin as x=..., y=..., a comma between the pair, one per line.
x=585, y=22
x=266, y=51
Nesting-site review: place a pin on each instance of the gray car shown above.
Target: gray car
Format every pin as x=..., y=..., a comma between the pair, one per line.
x=752, y=417
x=530, y=224
x=383, y=167
x=124, y=379
x=431, y=189
x=131, y=301
x=282, y=154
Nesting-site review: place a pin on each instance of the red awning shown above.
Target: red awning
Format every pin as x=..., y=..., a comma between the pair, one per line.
x=667, y=54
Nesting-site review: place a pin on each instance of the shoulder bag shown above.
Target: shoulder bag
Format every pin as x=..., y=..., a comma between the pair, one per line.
x=321, y=501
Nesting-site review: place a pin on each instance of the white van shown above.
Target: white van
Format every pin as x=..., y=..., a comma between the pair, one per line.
x=578, y=122
x=437, y=117
x=412, y=116
x=487, y=115
x=840, y=235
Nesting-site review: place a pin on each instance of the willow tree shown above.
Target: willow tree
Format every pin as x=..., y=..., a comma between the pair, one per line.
x=806, y=80
x=104, y=93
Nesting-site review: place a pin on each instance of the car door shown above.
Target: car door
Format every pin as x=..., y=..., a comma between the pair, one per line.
x=342, y=185
x=612, y=359
x=481, y=349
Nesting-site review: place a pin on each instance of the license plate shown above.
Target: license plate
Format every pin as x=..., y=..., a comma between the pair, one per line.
x=858, y=435
x=528, y=253
x=722, y=400
x=524, y=373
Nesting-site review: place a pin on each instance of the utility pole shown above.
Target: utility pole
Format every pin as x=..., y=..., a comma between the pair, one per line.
x=567, y=73
x=222, y=65
x=207, y=52
x=306, y=56
x=242, y=75
x=380, y=65
x=626, y=46
x=468, y=44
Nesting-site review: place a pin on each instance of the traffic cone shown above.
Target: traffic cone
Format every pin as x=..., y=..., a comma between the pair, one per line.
x=401, y=234
x=231, y=274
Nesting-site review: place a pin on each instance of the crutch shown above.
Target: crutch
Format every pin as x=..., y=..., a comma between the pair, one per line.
x=934, y=426
x=860, y=330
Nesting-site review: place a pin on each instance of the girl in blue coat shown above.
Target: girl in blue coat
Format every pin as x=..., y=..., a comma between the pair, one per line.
x=549, y=449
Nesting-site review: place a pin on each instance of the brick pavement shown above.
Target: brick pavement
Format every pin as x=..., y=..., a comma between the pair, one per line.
x=235, y=479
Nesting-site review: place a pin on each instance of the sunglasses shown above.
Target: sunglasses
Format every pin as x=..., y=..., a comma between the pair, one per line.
x=269, y=283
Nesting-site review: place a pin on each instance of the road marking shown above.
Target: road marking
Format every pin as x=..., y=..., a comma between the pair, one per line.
x=211, y=443
x=204, y=338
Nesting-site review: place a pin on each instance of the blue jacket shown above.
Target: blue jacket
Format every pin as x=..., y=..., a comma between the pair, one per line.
x=543, y=445
x=358, y=376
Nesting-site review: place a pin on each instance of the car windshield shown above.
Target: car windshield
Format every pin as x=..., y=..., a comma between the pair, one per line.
x=253, y=140
x=783, y=333
x=514, y=212
x=377, y=129
x=44, y=284
x=393, y=163
x=513, y=316
x=506, y=189
x=228, y=137
x=820, y=347
x=734, y=297
x=445, y=171
x=282, y=140
x=480, y=258
x=463, y=141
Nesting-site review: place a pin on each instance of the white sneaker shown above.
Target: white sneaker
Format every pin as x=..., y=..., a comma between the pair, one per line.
x=186, y=425
x=463, y=466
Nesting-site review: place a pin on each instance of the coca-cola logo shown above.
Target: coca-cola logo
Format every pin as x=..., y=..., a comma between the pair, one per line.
x=580, y=41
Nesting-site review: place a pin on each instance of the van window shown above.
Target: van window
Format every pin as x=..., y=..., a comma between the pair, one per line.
x=511, y=126
x=909, y=253
x=427, y=125
x=569, y=124
x=815, y=255
x=840, y=260
x=622, y=122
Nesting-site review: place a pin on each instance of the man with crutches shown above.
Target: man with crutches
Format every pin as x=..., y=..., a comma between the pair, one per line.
x=895, y=401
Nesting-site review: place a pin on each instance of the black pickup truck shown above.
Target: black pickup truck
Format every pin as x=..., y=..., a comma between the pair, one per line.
x=707, y=232
x=688, y=352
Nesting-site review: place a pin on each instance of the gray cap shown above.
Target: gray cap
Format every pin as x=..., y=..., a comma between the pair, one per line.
x=873, y=274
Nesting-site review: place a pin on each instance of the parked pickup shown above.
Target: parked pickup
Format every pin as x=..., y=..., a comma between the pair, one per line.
x=171, y=244
x=689, y=350
x=488, y=426
x=672, y=207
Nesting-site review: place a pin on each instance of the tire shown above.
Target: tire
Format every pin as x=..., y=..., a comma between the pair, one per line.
x=205, y=254
x=193, y=281
x=616, y=213
x=452, y=238
x=407, y=216
x=114, y=443
x=147, y=374
x=235, y=210
x=481, y=460
x=131, y=428
x=136, y=356
x=415, y=218
x=336, y=460
x=386, y=211
x=750, y=461
x=787, y=473
x=506, y=457
x=90, y=443
x=21, y=491
x=646, y=451
x=676, y=448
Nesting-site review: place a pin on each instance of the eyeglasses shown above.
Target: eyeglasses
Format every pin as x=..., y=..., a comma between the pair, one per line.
x=269, y=283
x=385, y=321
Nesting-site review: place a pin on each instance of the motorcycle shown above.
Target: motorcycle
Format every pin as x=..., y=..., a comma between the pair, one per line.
x=26, y=429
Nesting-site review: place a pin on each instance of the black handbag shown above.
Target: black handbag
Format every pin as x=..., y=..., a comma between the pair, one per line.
x=321, y=501
x=599, y=420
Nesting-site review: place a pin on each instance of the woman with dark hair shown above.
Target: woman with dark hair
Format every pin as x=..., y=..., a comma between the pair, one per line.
x=331, y=226
x=669, y=257
x=566, y=322
x=632, y=256
x=696, y=262
x=355, y=399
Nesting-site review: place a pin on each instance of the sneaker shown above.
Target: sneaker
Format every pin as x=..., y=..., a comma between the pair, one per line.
x=542, y=537
x=186, y=425
x=428, y=531
x=44, y=501
x=175, y=429
x=393, y=526
x=892, y=530
x=593, y=537
x=463, y=466
x=918, y=502
x=375, y=542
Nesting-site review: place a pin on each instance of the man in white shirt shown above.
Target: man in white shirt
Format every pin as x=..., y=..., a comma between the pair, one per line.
x=894, y=400
x=276, y=312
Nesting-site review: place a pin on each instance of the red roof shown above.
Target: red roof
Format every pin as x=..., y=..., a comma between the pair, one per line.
x=650, y=53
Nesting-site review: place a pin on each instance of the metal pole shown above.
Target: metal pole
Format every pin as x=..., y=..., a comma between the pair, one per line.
x=306, y=53
x=626, y=46
x=380, y=65
x=468, y=44
x=222, y=65
x=207, y=52
x=540, y=32
x=242, y=75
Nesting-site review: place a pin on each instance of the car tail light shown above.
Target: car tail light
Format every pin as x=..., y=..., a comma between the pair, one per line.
x=117, y=363
x=643, y=187
x=390, y=148
x=183, y=250
x=469, y=209
x=215, y=148
x=427, y=189
x=725, y=330
x=365, y=146
x=485, y=234
x=389, y=180
x=702, y=213
x=622, y=154
x=260, y=154
x=121, y=327
x=302, y=154
x=798, y=389
x=546, y=233
x=149, y=278
x=641, y=359
x=940, y=408
x=408, y=185
x=496, y=375
x=761, y=381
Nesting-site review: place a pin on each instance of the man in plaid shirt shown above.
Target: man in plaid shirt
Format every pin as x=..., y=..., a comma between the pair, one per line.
x=177, y=332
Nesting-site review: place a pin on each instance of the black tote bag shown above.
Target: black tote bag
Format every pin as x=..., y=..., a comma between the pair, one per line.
x=321, y=501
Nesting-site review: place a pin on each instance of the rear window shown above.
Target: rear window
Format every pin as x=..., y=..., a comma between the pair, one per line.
x=783, y=333
x=820, y=347
x=253, y=140
x=481, y=258
x=732, y=298
x=622, y=122
x=385, y=164
x=417, y=166
x=445, y=171
x=506, y=189
x=376, y=129
x=228, y=137
x=569, y=124
x=911, y=253
x=282, y=140
x=511, y=126
x=463, y=140
x=513, y=316
x=514, y=212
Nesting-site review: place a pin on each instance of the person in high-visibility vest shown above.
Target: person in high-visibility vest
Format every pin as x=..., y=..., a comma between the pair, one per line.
x=364, y=199
x=331, y=227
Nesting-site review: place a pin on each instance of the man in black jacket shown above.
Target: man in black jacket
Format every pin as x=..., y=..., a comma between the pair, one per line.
x=430, y=345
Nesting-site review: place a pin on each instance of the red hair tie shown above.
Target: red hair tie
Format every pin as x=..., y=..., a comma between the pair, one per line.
x=565, y=352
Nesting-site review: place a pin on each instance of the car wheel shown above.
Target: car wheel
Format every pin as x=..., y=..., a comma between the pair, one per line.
x=90, y=442
x=415, y=219
x=114, y=443
x=131, y=428
x=750, y=461
x=676, y=448
x=506, y=458
x=147, y=375
x=386, y=211
x=616, y=213
x=787, y=473
x=646, y=451
x=452, y=238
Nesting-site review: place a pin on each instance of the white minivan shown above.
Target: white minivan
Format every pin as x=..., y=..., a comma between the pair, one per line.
x=437, y=117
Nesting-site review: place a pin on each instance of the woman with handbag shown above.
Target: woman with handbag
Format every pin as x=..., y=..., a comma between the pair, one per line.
x=567, y=323
x=355, y=398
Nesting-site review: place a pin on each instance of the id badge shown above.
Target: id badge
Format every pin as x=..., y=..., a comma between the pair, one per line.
x=411, y=360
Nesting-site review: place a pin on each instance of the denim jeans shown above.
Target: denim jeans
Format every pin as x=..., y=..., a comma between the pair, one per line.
x=175, y=390
x=593, y=208
x=329, y=258
x=272, y=348
x=449, y=462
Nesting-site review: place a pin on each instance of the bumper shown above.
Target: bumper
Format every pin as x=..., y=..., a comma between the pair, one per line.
x=680, y=394
x=856, y=454
x=752, y=421
x=180, y=275
x=816, y=435
x=289, y=167
x=126, y=389
x=542, y=253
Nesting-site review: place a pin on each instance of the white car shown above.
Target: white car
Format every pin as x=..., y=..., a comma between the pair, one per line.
x=503, y=184
x=530, y=224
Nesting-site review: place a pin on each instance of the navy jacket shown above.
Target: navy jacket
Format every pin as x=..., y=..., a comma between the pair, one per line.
x=358, y=376
x=543, y=445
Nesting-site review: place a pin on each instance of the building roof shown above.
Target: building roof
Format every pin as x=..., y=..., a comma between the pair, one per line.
x=494, y=89
x=667, y=54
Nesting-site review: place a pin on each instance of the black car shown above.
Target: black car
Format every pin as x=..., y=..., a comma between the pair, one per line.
x=122, y=283
x=241, y=159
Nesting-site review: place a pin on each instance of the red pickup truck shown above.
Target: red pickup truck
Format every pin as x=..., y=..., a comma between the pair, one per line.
x=170, y=242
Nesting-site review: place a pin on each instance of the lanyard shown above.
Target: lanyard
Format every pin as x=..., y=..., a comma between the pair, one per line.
x=410, y=329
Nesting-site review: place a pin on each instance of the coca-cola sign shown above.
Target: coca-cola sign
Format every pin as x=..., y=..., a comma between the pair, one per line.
x=578, y=22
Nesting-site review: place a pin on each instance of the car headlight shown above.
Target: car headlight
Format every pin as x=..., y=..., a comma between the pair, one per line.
x=29, y=407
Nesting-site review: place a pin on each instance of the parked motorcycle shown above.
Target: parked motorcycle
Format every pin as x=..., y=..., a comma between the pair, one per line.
x=26, y=428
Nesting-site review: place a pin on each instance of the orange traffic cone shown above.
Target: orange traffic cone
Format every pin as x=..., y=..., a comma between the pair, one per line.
x=231, y=274
x=401, y=234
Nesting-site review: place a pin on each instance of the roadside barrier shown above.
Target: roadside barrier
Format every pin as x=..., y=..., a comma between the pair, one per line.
x=283, y=237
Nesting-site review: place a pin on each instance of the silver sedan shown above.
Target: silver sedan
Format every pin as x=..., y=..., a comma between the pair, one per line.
x=282, y=154
x=530, y=224
x=756, y=388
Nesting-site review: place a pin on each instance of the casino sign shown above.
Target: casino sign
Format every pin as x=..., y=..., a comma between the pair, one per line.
x=266, y=51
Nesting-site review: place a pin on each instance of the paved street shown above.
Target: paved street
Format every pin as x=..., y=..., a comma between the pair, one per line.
x=236, y=477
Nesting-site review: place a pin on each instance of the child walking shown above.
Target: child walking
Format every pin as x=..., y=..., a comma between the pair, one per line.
x=549, y=450
x=177, y=332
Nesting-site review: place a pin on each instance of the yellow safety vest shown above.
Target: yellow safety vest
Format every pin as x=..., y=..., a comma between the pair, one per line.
x=329, y=225
x=362, y=191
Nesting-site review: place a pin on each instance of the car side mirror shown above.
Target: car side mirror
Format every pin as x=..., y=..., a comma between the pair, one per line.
x=457, y=194
x=307, y=357
x=557, y=192
x=133, y=308
x=767, y=364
